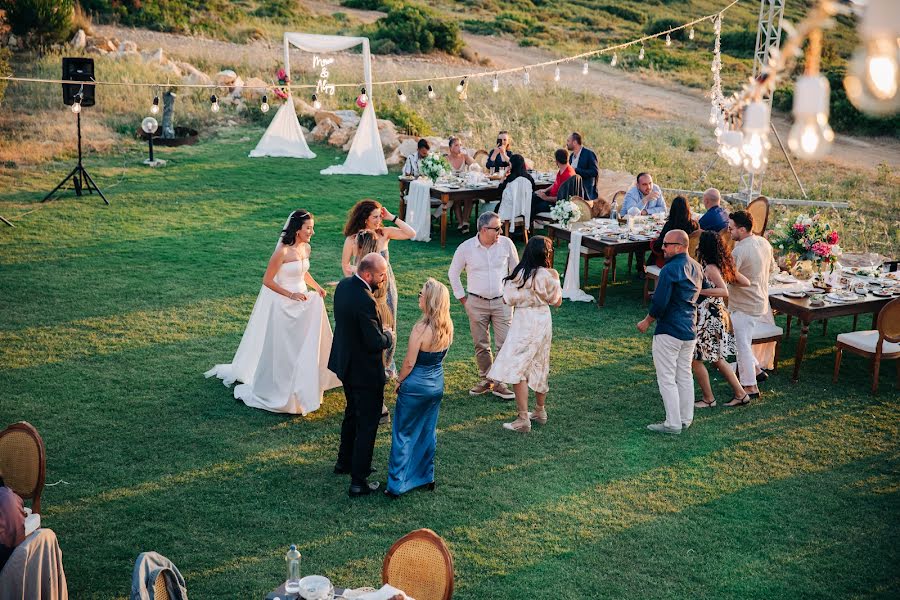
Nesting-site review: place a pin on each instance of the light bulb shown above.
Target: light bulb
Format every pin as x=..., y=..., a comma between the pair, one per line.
x=316, y=104
x=810, y=136
x=214, y=103
x=873, y=75
x=264, y=107
x=730, y=147
x=461, y=85
x=691, y=34
x=584, y=68
x=641, y=53
x=526, y=78
x=668, y=40
x=154, y=108
x=400, y=95
x=76, y=107
x=556, y=74
x=755, y=148
x=615, y=60
x=495, y=86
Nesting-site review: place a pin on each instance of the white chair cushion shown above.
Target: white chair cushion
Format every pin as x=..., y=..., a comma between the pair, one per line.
x=544, y=215
x=766, y=330
x=652, y=270
x=866, y=340
x=32, y=522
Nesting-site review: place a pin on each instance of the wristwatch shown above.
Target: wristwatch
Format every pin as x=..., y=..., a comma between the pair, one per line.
x=394, y=220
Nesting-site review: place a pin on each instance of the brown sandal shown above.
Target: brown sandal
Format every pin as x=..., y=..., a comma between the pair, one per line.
x=704, y=404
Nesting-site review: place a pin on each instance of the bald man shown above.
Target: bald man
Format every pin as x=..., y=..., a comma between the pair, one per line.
x=716, y=217
x=674, y=309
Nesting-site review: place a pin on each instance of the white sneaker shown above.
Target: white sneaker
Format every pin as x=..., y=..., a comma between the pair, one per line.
x=663, y=428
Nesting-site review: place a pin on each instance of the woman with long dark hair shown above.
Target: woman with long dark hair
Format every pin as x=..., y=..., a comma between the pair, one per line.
x=524, y=360
x=679, y=218
x=283, y=355
x=714, y=339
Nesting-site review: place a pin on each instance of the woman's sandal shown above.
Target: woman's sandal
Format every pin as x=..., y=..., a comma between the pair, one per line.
x=705, y=403
x=739, y=401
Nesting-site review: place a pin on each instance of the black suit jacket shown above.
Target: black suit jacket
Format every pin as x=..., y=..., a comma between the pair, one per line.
x=356, y=352
x=589, y=168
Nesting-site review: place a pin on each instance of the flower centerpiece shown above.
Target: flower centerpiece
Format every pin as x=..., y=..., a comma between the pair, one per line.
x=434, y=165
x=283, y=80
x=808, y=238
x=565, y=212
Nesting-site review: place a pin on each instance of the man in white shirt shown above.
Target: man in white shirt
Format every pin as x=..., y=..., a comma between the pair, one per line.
x=486, y=258
x=412, y=161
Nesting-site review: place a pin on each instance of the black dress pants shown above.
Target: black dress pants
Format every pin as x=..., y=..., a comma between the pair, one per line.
x=359, y=428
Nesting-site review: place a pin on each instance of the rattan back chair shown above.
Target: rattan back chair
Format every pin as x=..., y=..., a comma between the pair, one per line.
x=160, y=591
x=759, y=208
x=420, y=564
x=876, y=345
x=481, y=157
x=23, y=462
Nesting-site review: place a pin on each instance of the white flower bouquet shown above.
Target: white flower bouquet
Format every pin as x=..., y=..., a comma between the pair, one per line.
x=434, y=165
x=565, y=212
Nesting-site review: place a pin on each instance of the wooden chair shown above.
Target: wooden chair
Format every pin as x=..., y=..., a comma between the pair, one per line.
x=766, y=333
x=759, y=208
x=881, y=343
x=23, y=463
x=651, y=272
x=420, y=564
x=481, y=158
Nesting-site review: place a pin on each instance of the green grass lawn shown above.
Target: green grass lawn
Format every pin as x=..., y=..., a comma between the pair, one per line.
x=110, y=315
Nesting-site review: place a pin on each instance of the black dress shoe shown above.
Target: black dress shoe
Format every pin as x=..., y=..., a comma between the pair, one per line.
x=429, y=486
x=363, y=490
x=762, y=376
x=342, y=470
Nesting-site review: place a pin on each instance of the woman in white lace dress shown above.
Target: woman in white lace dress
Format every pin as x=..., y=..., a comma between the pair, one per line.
x=524, y=359
x=283, y=356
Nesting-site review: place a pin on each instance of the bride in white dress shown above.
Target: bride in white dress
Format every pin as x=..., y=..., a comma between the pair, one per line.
x=283, y=356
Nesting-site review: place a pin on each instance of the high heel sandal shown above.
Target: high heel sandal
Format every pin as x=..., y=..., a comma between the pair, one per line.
x=740, y=401
x=539, y=416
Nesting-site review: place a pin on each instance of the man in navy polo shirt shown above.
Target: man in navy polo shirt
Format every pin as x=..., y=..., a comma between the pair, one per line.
x=716, y=217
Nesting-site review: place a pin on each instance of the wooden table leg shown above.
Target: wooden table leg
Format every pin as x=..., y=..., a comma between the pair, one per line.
x=402, y=211
x=801, y=348
x=604, y=278
x=444, y=200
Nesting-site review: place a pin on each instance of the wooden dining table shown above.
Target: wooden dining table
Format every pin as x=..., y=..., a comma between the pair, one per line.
x=807, y=313
x=448, y=194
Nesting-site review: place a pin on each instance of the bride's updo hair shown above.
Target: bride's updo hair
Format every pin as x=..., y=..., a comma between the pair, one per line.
x=356, y=220
x=295, y=222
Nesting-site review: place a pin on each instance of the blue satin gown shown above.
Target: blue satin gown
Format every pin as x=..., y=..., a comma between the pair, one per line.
x=414, y=434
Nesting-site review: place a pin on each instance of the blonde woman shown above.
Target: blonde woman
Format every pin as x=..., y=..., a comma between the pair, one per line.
x=419, y=392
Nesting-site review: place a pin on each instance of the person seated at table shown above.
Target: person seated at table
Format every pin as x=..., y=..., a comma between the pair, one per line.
x=12, y=522
x=645, y=196
x=411, y=167
x=500, y=155
x=459, y=162
x=679, y=218
x=543, y=200
x=716, y=217
x=517, y=169
x=586, y=165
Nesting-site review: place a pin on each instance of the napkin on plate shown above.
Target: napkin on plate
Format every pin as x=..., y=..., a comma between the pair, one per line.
x=385, y=593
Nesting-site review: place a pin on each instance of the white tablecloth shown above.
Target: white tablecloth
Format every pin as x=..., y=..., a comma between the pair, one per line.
x=418, y=209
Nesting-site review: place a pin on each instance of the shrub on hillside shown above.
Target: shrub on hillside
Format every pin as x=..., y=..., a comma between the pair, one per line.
x=4, y=71
x=623, y=12
x=39, y=23
x=406, y=119
x=382, y=5
x=279, y=11
x=660, y=25
x=415, y=29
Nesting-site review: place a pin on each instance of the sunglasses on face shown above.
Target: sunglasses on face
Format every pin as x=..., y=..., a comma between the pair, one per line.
x=672, y=244
x=496, y=229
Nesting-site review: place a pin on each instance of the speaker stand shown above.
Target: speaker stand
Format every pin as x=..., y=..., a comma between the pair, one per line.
x=81, y=179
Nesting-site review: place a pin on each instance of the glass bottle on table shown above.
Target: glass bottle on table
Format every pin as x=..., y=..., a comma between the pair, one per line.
x=292, y=584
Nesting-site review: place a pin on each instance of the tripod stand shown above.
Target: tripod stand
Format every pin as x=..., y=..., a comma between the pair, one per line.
x=81, y=179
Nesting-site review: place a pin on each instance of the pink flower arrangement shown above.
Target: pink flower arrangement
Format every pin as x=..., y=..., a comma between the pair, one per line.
x=821, y=249
x=809, y=237
x=283, y=80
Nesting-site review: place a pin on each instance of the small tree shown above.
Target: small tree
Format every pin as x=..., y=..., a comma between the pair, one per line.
x=39, y=22
x=4, y=71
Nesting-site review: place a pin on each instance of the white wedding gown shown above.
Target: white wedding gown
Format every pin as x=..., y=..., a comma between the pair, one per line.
x=282, y=359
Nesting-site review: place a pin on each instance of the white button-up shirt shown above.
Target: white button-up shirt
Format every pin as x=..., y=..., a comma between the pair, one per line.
x=485, y=266
x=412, y=165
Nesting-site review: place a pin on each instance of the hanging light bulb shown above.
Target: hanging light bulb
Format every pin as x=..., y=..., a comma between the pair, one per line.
x=214, y=103
x=755, y=148
x=730, y=144
x=691, y=34
x=316, y=104
x=641, y=53
x=556, y=74
x=668, y=40
x=461, y=85
x=154, y=108
x=584, y=68
x=873, y=75
x=400, y=95
x=431, y=94
x=615, y=60
x=495, y=86
x=526, y=79
x=264, y=106
x=76, y=106
x=811, y=136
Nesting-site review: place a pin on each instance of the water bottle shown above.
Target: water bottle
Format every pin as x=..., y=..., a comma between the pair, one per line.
x=614, y=211
x=292, y=585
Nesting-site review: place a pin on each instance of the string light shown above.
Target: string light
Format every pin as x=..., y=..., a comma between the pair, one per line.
x=811, y=136
x=755, y=148
x=76, y=105
x=264, y=106
x=214, y=103
x=400, y=95
x=615, y=60
x=668, y=40
x=584, y=68
x=873, y=76
x=526, y=79
x=154, y=107
x=691, y=34
x=556, y=74
x=495, y=86
x=316, y=104
x=431, y=94
x=461, y=85
x=730, y=143
x=641, y=53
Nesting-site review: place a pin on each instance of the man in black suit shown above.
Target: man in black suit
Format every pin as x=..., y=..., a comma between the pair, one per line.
x=586, y=164
x=356, y=358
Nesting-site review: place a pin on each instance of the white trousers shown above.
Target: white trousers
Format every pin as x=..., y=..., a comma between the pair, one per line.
x=744, y=325
x=672, y=358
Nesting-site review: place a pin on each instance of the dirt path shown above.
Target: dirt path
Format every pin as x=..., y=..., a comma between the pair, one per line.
x=667, y=100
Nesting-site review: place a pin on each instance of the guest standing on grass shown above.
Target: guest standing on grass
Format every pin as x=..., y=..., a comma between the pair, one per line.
x=420, y=388
x=673, y=309
x=486, y=258
x=524, y=360
x=715, y=343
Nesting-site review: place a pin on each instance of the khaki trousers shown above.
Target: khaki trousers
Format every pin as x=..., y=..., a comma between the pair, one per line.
x=482, y=315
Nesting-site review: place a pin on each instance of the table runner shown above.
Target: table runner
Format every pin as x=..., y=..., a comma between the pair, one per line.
x=572, y=279
x=418, y=209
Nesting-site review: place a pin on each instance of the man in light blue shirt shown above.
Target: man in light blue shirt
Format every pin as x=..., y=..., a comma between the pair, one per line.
x=644, y=196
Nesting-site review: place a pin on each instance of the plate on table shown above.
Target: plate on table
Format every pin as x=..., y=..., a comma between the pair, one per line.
x=452, y=186
x=794, y=294
x=883, y=292
x=785, y=278
x=841, y=296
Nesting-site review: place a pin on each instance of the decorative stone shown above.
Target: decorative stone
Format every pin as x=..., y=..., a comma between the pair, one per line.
x=255, y=88
x=193, y=75
x=80, y=40
x=325, y=115
x=323, y=130
x=128, y=47
x=341, y=136
x=349, y=118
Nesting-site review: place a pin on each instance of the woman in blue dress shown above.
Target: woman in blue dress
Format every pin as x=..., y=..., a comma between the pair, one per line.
x=419, y=392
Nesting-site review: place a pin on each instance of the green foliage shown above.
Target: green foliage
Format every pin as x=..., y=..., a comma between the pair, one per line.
x=39, y=23
x=623, y=12
x=660, y=25
x=279, y=11
x=5, y=71
x=415, y=29
x=405, y=118
x=382, y=5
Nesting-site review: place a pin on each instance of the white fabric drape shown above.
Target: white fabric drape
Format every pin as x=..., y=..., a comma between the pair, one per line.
x=366, y=156
x=572, y=279
x=516, y=203
x=418, y=209
x=283, y=137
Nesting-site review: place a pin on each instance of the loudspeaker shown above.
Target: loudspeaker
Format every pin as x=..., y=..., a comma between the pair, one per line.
x=78, y=69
